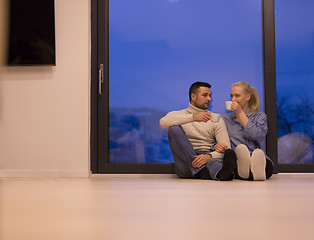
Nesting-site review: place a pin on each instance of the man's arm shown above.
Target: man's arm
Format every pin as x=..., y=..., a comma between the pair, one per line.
x=176, y=118
x=222, y=137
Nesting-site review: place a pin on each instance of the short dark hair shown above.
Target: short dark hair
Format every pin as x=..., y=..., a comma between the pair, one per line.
x=195, y=86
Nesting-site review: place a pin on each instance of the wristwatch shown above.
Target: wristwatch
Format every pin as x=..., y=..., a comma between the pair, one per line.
x=209, y=154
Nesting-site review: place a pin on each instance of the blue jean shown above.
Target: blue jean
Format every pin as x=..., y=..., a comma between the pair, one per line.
x=183, y=154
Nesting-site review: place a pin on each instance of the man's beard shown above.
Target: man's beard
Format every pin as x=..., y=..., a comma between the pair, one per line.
x=204, y=106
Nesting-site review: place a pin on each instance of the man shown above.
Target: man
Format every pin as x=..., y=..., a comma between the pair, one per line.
x=192, y=133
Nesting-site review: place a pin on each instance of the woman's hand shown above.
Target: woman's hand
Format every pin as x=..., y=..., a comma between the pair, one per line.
x=201, y=160
x=236, y=108
x=221, y=148
x=240, y=114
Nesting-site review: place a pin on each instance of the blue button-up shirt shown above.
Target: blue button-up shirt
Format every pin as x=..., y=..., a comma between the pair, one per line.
x=252, y=135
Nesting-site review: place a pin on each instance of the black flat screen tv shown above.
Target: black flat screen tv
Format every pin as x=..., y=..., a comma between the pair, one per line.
x=31, y=33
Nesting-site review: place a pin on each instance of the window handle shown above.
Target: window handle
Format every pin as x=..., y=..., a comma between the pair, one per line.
x=100, y=78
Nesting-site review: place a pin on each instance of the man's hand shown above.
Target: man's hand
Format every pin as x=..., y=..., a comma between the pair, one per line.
x=201, y=117
x=201, y=160
x=221, y=148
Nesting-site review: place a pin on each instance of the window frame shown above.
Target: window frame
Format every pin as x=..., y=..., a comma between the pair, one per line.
x=284, y=167
x=100, y=103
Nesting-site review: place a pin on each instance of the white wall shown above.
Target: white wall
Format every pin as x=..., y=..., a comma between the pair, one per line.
x=44, y=111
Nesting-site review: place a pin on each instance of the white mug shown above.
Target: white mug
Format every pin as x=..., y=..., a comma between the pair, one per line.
x=214, y=117
x=228, y=105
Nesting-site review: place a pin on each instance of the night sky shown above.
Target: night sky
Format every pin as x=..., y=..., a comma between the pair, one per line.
x=159, y=48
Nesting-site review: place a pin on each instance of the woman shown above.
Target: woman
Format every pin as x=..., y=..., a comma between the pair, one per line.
x=247, y=128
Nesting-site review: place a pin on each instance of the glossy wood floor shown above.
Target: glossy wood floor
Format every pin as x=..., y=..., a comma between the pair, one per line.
x=118, y=207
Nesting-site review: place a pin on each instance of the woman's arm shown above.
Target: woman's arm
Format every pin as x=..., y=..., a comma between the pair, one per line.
x=240, y=114
x=256, y=128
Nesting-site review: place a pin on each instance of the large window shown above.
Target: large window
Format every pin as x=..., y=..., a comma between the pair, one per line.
x=158, y=48
x=295, y=80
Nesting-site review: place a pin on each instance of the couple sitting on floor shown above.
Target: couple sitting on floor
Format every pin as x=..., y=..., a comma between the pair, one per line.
x=200, y=143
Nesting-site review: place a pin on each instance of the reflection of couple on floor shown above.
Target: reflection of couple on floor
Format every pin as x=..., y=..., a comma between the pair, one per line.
x=209, y=146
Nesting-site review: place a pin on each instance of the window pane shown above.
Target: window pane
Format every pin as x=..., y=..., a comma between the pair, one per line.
x=295, y=80
x=157, y=49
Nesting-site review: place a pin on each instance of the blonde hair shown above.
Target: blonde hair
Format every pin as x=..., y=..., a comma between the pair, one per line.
x=254, y=100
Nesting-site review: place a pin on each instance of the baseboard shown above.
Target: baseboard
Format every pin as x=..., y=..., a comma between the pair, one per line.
x=43, y=174
x=86, y=174
x=293, y=175
x=124, y=176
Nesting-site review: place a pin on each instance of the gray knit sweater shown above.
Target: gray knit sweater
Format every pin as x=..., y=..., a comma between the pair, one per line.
x=202, y=135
